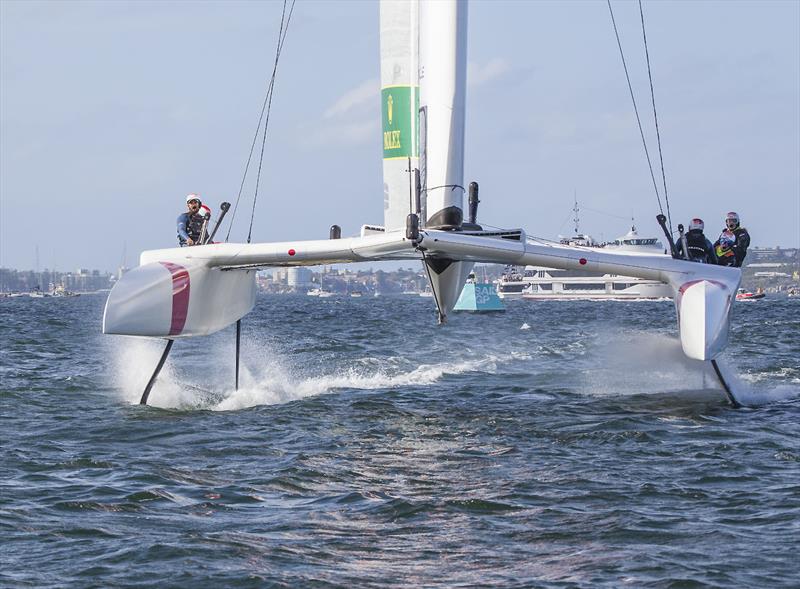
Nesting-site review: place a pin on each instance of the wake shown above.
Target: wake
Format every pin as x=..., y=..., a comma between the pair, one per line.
x=613, y=364
x=266, y=378
x=644, y=362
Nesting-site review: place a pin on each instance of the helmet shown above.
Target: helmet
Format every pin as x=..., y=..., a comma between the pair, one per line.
x=191, y=197
x=205, y=211
x=732, y=217
x=697, y=224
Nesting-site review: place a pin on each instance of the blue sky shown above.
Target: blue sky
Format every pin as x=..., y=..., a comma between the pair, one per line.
x=111, y=112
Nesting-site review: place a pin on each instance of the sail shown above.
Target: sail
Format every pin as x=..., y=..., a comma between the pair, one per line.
x=443, y=77
x=399, y=107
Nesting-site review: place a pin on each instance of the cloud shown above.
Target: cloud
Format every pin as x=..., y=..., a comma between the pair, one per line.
x=480, y=74
x=361, y=94
x=353, y=133
x=344, y=121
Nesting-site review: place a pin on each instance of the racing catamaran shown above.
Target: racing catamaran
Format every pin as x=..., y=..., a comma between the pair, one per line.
x=194, y=291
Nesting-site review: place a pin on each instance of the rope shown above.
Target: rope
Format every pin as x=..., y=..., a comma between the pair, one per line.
x=655, y=117
x=265, y=108
x=635, y=108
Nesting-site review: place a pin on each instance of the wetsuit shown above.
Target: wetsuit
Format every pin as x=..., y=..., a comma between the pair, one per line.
x=698, y=246
x=741, y=245
x=189, y=226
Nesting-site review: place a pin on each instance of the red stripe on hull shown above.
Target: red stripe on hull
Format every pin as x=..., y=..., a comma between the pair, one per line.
x=180, y=296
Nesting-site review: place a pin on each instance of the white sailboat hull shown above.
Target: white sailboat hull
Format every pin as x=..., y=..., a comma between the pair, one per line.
x=704, y=308
x=172, y=300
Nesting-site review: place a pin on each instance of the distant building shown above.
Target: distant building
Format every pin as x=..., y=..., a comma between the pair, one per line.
x=281, y=276
x=298, y=277
x=775, y=254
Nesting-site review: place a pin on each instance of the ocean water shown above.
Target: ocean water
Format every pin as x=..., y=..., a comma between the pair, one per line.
x=559, y=444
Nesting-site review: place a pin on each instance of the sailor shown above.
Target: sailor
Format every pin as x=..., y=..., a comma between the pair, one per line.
x=742, y=237
x=698, y=247
x=190, y=223
x=723, y=248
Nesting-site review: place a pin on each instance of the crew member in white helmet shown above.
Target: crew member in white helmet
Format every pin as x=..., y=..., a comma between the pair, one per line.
x=742, y=241
x=190, y=223
x=698, y=247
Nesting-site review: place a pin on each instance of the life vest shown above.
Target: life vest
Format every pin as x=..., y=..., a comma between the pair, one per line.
x=696, y=246
x=195, y=226
x=725, y=256
x=724, y=247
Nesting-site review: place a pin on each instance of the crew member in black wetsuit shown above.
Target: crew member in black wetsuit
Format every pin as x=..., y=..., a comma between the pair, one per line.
x=742, y=237
x=698, y=247
x=190, y=223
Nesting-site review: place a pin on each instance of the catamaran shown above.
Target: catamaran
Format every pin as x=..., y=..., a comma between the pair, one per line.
x=194, y=291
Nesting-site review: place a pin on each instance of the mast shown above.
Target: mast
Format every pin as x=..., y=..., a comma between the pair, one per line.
x=575, y=210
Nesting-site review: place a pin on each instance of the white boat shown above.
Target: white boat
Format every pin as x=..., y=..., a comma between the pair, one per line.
x=60, y=291
x=320, y=292
x=187, y=292
x=554, y=284
x=544, y=283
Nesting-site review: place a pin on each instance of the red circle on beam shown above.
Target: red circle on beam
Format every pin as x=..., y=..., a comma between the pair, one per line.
x=292, y=252
x=582, y=261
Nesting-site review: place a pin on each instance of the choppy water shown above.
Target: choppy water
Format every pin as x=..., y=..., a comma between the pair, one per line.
x=556, y=445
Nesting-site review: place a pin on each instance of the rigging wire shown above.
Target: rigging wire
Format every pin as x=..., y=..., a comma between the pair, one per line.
x=265, y=108
x=655, y=116
x=269, y=108
x=635, y=108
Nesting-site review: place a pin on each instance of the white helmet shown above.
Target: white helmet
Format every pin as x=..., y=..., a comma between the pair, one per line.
x=697, y=224
x=732, y=217
x=191, y=197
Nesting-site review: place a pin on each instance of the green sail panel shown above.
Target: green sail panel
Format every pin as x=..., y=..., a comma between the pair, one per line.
x=398, y=128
